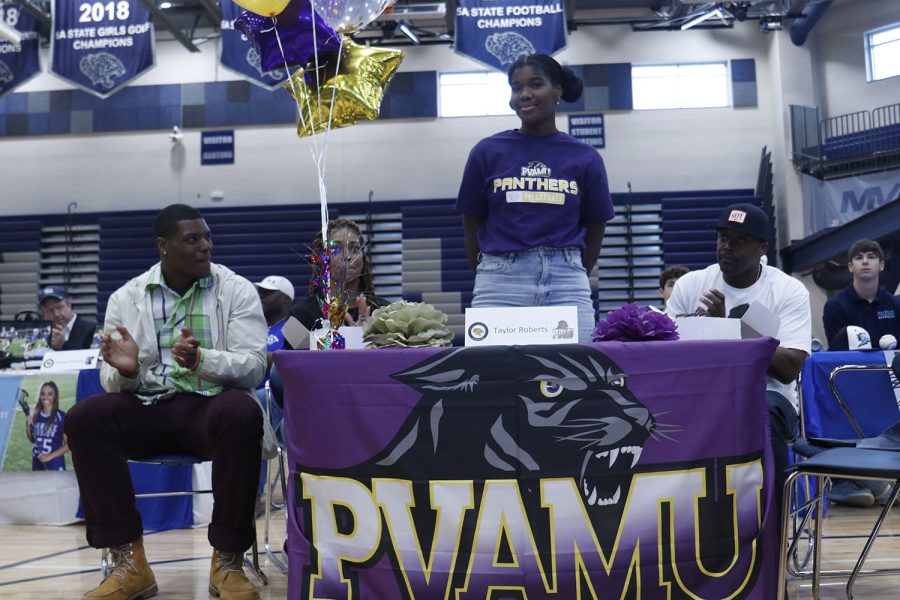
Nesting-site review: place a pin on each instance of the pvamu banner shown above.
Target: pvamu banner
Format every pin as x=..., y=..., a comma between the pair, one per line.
x=835, y=202
x=240, y=56
x=18, y=62
x=614, y=470
x=497, y=33
x=100, y=46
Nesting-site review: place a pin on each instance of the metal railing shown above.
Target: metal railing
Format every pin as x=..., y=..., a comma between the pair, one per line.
x=857, y=142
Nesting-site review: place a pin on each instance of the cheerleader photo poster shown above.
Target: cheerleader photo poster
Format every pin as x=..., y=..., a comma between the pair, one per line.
x=33, y=409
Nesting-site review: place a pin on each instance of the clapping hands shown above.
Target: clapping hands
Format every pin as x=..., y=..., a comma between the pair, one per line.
x=121, y=352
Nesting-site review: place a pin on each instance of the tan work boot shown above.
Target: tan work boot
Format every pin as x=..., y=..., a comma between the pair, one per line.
x=227, y=579
x=130, y=578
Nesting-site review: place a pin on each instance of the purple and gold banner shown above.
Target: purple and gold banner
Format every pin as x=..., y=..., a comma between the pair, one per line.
x=100, y=46
x=18, y=62
x=615, y=470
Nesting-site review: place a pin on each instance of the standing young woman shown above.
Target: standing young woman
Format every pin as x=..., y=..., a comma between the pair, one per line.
x=535, y=201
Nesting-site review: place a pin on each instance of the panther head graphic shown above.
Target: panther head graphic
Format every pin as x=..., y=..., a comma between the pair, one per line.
x=507, y=46
x=102, y=68
x=541, y=411
x=6, y=75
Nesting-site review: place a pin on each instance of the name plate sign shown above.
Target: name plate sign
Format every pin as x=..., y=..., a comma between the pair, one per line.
x=508, y=326
x=63, y=361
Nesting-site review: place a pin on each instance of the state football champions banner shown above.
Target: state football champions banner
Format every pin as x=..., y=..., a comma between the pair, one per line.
x=239, y=55
x=496, y=33
x=615, y=470
x=100, y=46
x=18, y=62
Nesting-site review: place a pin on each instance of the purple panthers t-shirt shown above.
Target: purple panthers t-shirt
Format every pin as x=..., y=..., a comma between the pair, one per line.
x=534, y=192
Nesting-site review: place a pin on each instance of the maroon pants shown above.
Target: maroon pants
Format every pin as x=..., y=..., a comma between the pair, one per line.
x=106, y=430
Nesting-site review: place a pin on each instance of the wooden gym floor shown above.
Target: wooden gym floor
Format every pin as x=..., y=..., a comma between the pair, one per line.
x=39, y=562
x=55, y=562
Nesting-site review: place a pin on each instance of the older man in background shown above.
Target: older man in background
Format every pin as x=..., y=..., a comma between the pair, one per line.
x=69, y=331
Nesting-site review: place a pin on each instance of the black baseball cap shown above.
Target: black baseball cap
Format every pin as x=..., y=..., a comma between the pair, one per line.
x=746, y=218
x=52, y=291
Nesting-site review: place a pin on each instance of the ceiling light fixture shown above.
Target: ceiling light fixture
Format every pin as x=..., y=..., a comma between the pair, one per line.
x=406, y=29
x=716, y=12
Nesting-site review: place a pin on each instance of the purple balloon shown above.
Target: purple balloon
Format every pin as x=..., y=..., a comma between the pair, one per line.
x=295, y=25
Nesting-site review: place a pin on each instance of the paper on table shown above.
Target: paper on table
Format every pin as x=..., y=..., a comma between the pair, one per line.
x=759, y=321
x=708, y=328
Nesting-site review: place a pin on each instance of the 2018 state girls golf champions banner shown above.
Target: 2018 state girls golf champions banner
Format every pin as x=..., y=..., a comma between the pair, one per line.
x=615, y=470
x=100, y=46
x=239, y=55
x=496, y=33
x=18, y=62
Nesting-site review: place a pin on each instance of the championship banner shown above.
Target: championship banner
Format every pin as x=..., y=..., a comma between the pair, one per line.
x=555, y=472
x=18, y=62
x=239, y=55
x=496, y=33
x=100, y=47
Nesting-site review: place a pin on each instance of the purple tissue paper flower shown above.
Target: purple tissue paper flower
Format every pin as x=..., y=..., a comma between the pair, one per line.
x=633, y=323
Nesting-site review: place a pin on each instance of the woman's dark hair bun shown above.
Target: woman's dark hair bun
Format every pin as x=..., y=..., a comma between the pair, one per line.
x=571, y=84
x=561, y=75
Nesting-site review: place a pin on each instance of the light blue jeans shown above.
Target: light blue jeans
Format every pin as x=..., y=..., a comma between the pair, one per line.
x=537, y=277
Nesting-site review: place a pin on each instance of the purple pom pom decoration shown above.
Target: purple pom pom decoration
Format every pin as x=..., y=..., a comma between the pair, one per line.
x=633, y=323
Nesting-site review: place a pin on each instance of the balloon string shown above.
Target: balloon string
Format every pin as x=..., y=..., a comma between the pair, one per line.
x=314, y=151
x=294, y=90
x=333, y=94
x=320, y=164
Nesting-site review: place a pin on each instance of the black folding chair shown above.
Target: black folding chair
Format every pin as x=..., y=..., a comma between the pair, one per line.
x=853, y=463
x=804, y=522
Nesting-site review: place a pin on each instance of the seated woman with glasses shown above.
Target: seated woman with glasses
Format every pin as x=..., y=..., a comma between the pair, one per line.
x=351, y=277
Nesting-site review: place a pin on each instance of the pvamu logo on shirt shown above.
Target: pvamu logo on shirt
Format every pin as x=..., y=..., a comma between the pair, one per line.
x=885, y=314
x=535, y=185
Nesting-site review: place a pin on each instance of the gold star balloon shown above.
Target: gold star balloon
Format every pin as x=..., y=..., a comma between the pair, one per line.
x=357, y=89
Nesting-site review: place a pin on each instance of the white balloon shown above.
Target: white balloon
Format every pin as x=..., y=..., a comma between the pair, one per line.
x=347, y=16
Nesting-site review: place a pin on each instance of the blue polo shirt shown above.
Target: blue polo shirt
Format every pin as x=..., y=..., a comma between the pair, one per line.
x=878, y=317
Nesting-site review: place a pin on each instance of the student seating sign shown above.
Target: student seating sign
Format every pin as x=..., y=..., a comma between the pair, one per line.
x=100, y=46
x=497, y=33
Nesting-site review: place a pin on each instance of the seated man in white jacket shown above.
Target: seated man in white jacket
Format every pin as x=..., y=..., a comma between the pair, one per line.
x=184, y=345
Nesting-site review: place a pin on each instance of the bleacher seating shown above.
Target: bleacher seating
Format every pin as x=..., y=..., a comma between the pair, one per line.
x=20, y=259
x=847, y=144
x=416, y=248
x=860, y=144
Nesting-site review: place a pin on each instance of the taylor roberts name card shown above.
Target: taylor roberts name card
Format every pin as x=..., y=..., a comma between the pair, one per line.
x=520, y=326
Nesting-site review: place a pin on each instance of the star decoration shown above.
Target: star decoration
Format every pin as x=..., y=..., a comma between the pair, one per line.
x=358, y=87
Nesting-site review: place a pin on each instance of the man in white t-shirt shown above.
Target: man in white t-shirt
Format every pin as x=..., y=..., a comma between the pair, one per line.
x=727, y=288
